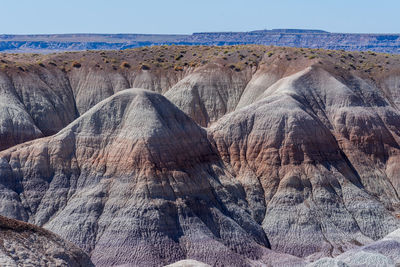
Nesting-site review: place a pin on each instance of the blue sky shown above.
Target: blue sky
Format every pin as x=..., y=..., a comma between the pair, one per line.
x=179, y=16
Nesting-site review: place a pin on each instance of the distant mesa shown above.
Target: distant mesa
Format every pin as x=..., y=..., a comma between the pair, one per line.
x=294, y=31
x=267, y=31
x=306, y=38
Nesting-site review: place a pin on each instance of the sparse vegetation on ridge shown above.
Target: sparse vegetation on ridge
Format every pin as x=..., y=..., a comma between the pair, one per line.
x=178, y=58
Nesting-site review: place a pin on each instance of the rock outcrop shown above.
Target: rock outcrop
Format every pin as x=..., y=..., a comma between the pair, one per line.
x=24, y=244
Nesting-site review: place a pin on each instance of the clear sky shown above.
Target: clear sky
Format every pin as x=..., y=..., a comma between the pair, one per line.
x=186, y=16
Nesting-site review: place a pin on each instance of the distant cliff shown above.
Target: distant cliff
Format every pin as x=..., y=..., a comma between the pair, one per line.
x=386, y=43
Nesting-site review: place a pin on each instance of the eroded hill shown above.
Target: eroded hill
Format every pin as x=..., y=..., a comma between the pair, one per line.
x=297, y=157
x=42, y=94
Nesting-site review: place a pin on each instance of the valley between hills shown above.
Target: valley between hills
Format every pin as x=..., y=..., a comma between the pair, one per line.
x=244, y=155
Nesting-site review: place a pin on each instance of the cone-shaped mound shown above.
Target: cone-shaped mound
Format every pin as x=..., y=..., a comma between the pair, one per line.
x=315, y=157
x=134, y=181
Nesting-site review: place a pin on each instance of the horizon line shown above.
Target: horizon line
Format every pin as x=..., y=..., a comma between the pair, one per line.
x=317, y=31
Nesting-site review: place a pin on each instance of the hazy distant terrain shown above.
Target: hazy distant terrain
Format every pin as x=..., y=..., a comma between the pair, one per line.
x=387, y=43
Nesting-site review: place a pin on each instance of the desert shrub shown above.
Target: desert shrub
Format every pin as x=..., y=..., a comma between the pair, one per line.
x=270, y=54
x=178, y=57
x=178, y=68
x=144, y=66
x=312, y=57
x=125, y=65
x=235, y=67
x=41, y=64
x=76, y=64
x=52, y=63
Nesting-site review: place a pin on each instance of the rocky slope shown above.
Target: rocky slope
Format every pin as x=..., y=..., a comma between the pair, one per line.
x=209, y=92
x=321, y=155
x=298, y=160
x=23, y=244
x=384, y=252
x=134, y=180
